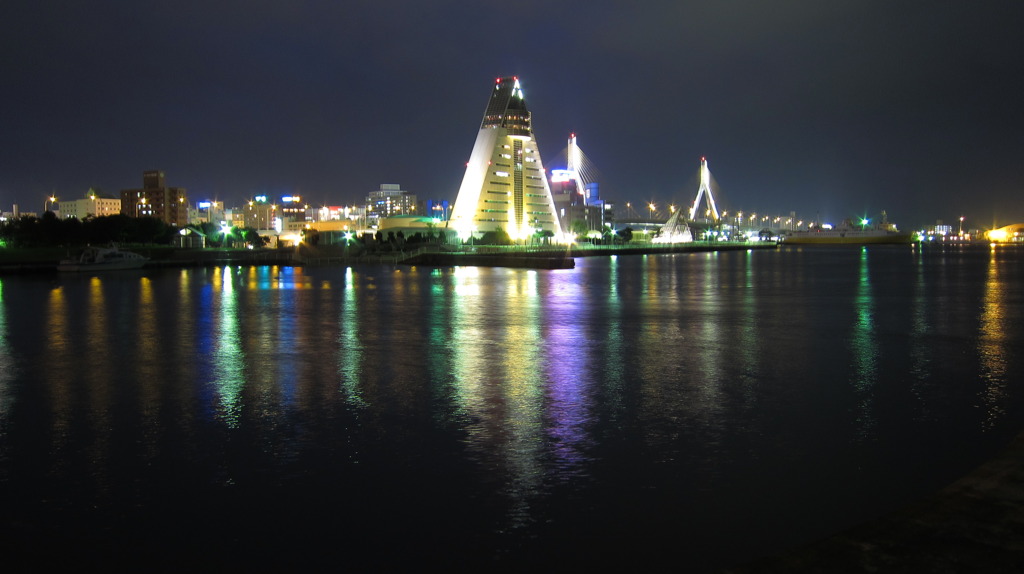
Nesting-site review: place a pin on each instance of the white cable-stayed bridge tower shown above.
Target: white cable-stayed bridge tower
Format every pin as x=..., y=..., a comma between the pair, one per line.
x=677, y=228
x=705, y=188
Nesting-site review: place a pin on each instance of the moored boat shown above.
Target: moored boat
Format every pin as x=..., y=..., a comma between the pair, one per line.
x=102, y=258
x=847, y=234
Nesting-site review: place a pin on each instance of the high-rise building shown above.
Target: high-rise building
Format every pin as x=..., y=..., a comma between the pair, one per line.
x=505, y=187
x=261, y=215
x=157, y=200
x=389, y=200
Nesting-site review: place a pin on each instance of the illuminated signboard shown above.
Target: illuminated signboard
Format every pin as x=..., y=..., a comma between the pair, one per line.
x=560, y=175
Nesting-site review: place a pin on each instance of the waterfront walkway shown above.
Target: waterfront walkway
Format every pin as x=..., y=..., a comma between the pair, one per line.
x=975, y=524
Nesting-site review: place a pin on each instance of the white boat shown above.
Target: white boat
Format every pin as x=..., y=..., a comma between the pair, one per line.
x=102, y=258
x=846, y=233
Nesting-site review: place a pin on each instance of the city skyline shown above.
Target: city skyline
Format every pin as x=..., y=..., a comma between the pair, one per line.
x=831, y=110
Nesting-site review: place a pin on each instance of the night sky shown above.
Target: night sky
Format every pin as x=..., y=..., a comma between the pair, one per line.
x=827, y=108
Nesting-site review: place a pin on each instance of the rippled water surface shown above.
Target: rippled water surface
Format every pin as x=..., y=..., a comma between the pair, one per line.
x=704, y=408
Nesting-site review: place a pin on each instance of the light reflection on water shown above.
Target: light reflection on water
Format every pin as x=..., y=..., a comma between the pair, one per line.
x=228, y=355
x=865, y=348
x=992, y=343
x=608, y=400
x=7, y=375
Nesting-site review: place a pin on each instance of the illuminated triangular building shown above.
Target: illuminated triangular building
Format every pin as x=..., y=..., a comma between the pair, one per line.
x=505, y=186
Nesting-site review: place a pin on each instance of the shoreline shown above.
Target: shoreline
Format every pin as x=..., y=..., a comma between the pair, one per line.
x=430, y=256
x=971, y=525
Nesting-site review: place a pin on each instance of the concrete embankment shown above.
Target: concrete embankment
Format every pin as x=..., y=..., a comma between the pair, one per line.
x=522, y=261
x=170, y=257
x=481, y=256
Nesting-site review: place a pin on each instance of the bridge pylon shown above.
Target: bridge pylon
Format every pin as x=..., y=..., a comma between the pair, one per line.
x=705, y=188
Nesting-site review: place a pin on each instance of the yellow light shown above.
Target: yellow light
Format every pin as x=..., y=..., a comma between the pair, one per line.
x=997, y=235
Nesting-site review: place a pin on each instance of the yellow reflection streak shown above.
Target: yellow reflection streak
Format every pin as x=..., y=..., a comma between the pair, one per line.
x=97, y=366
x=58, y=371
x=523, y=393
x=992, y=344
x=148, y=358
x=709, y=330
x=497, y=357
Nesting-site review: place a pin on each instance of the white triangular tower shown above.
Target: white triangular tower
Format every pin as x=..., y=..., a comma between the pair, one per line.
x=505, y=186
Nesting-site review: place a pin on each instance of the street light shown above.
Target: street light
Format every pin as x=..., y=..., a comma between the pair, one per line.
x=49, y=203
x=961, y=226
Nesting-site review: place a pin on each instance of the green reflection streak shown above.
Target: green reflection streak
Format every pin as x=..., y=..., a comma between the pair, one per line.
x=229, y=357
x=350, y=355
x=614, y=364
x=439, y=360
x=865, y=347
x=992, y=344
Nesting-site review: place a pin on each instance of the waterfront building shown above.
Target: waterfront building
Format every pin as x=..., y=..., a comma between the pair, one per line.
x=92, y=204
x=388, y=201
x=1013, y=233
x=505, y=186
x=155, y=199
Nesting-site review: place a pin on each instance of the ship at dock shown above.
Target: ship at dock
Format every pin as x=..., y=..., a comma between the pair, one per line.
x=846, y=233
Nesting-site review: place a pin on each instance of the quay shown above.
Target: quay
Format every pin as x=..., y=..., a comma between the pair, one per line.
x=513, y=256
x=517, y=256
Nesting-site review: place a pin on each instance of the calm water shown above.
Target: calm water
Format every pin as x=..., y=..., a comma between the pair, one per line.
x=705, y=408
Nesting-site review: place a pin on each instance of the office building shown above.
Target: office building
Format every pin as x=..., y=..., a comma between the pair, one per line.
x=155, y=199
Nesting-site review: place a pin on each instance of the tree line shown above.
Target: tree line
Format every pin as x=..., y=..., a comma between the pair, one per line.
x=52, y=231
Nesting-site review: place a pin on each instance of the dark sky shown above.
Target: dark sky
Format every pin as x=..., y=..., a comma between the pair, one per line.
x=827, y=108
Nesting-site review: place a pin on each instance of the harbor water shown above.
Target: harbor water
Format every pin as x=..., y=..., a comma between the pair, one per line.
x=704, y=408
